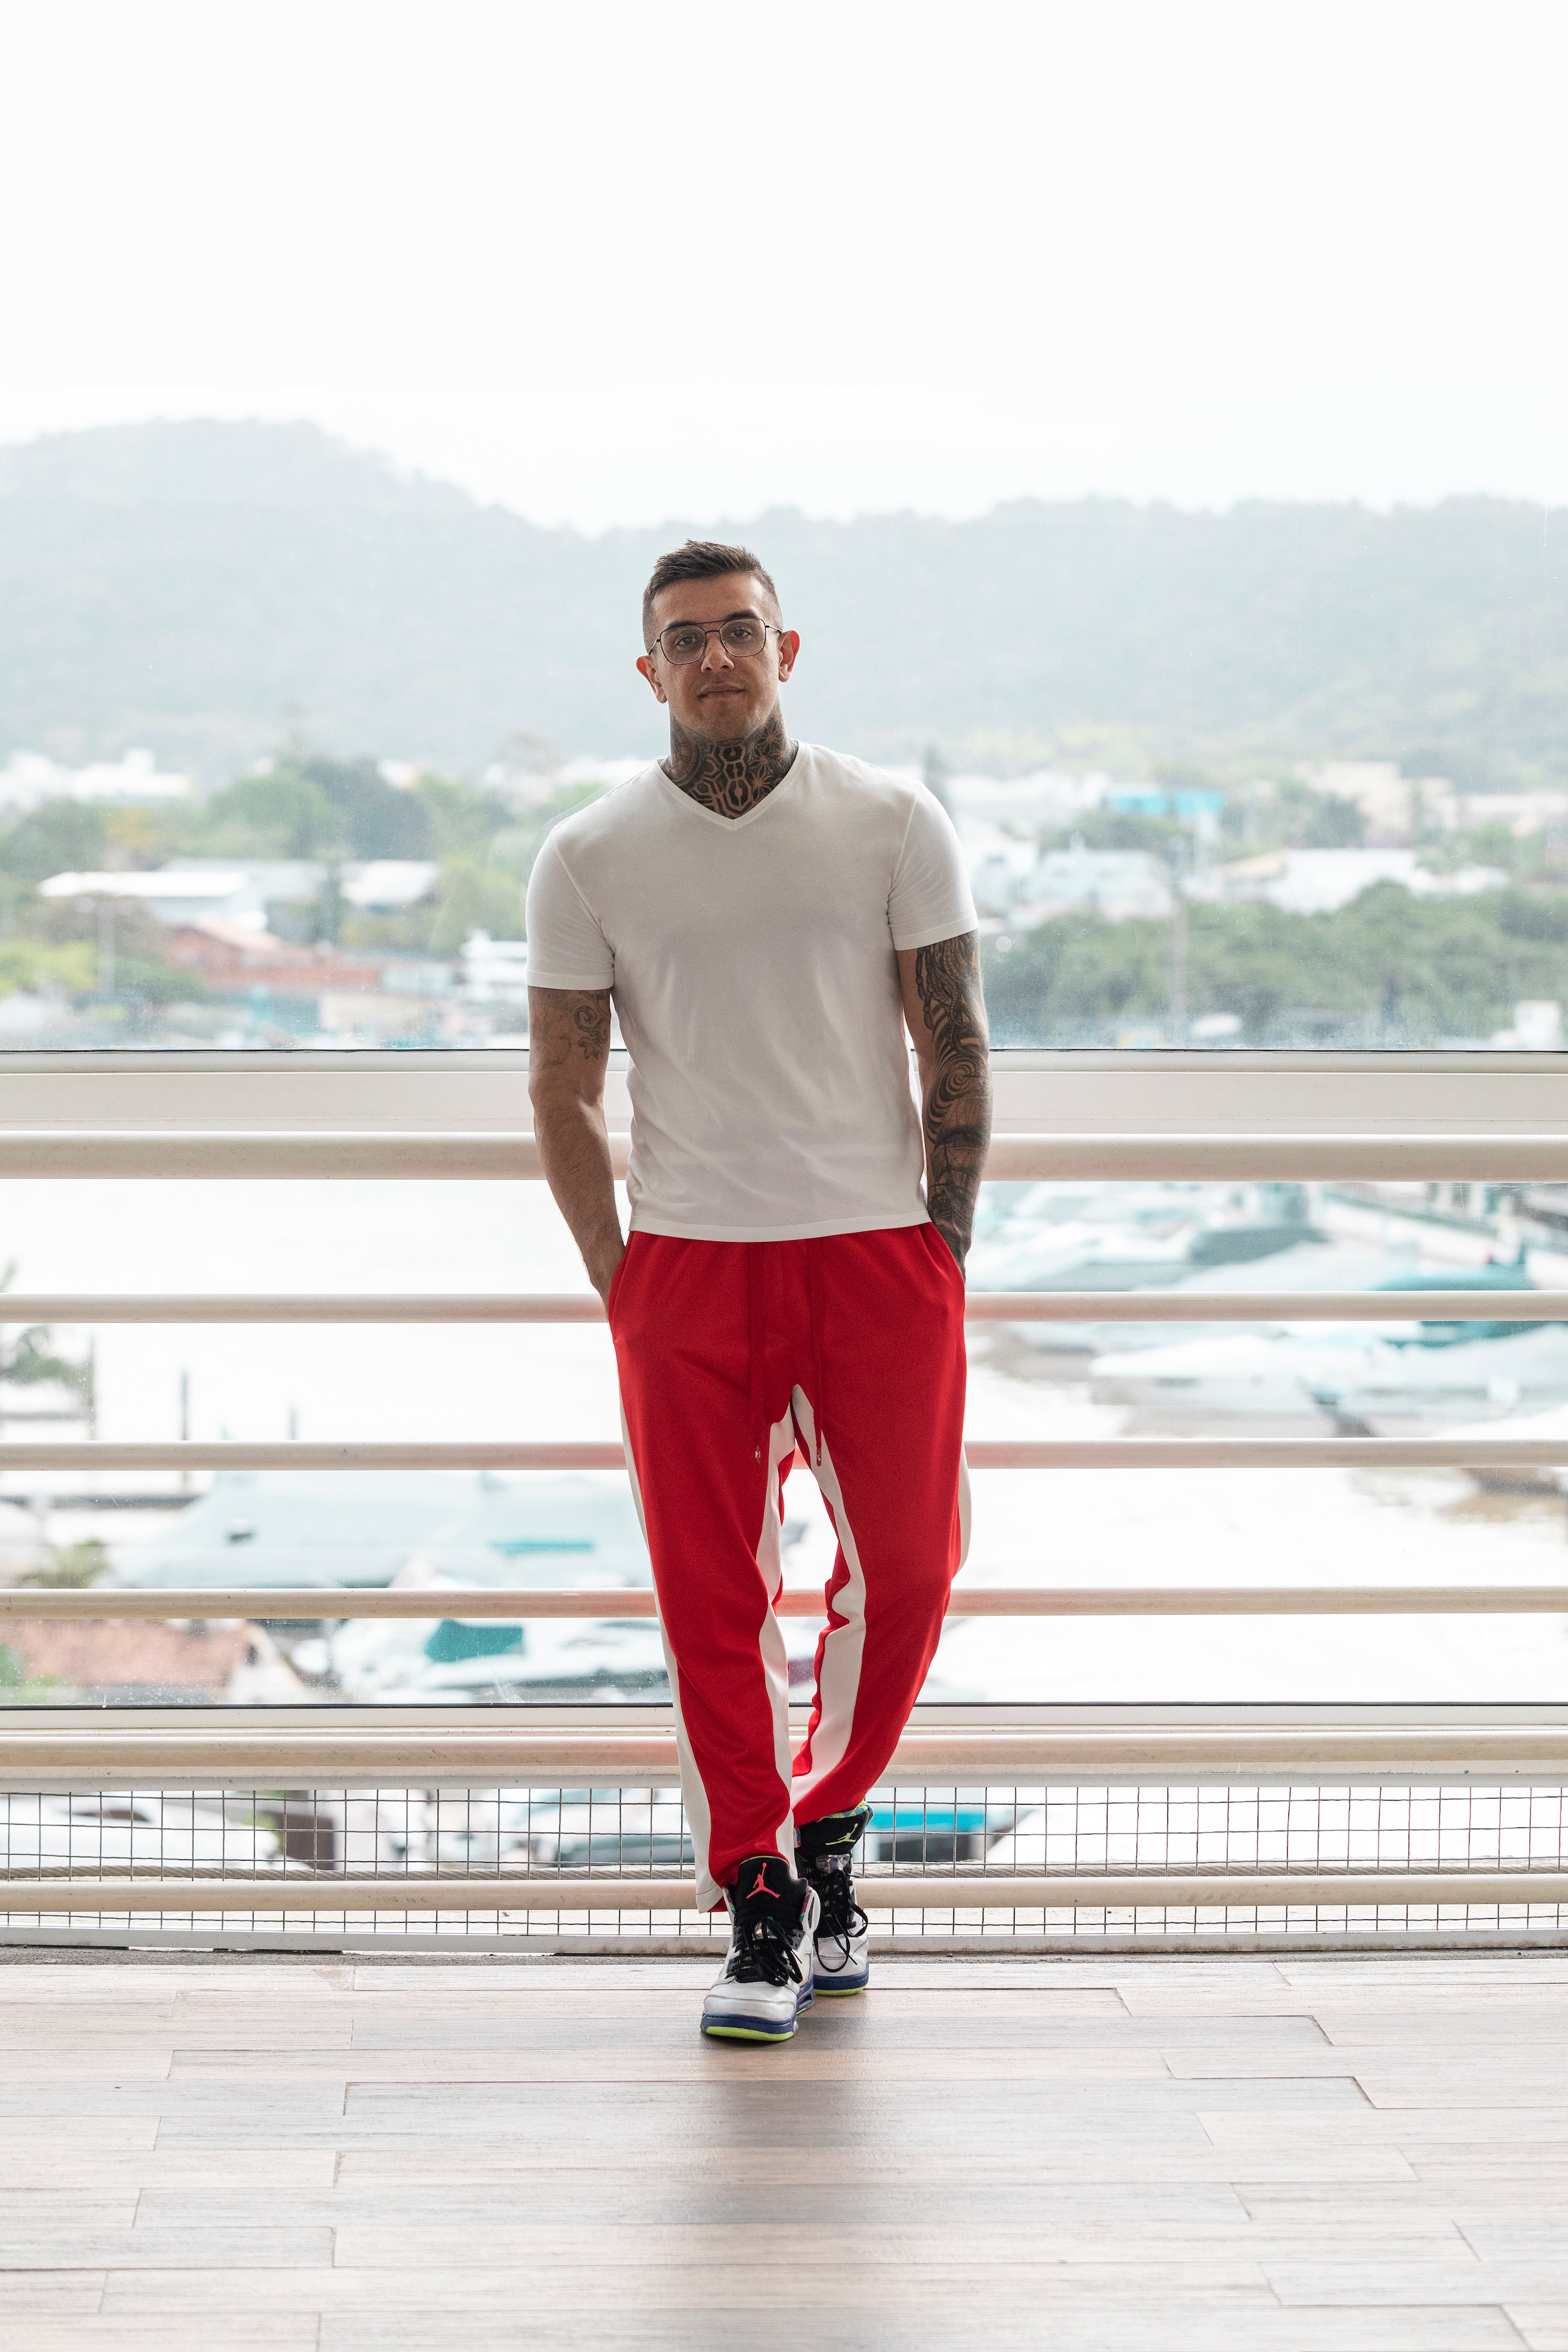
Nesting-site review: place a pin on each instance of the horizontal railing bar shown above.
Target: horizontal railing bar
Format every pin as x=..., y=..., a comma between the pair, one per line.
x=1265, y=1453
x=466, y=1155
x=348, y=1307
x=116, y=1605
x=350, y=1155
x=105, y=1752
x=97, y=1454
x=1258, y=1307
x=1166, y=1891
x=983, y=1454
x=1494, y=1157
x=983, y=1307
x=272, y=1871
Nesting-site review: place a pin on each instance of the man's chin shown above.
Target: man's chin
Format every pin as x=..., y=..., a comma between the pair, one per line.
x=726, y=721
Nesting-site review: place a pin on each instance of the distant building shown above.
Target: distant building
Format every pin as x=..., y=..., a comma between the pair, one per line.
x=1044, y=802
x=412, y=976
x=150, y=1665
x=495, y=971
x=235, y=958
x=386, y=885
x=1537, y=1027
x=1001, y=869
x=1321, y=881
x=240, y=890
x=171, y=895
x=1522, y=812
x=274, y=881
x=29, y=778
x=1002, y=822
x=1200, y=808
x=1391, y=806
x=1119, y=885
x=1394, y=807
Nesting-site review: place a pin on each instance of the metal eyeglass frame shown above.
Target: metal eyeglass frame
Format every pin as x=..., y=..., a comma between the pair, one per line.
x=717, y=630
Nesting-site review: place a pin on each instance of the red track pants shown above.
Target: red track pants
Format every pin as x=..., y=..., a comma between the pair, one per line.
x=729, y=1353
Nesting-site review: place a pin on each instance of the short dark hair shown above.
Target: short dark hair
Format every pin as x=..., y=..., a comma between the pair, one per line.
x=700, y=559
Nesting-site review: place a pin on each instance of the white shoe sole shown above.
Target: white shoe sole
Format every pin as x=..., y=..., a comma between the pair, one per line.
x=737, y=2025
x=831, y=1984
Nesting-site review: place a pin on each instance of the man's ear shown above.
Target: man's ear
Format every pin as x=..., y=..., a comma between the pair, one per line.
x=645, y=663
x=789, y=647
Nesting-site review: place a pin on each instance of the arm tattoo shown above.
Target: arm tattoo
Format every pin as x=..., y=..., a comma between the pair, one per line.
x=729, y=778
x=958, y=1099
x=591, y=1021
x=564, y=1021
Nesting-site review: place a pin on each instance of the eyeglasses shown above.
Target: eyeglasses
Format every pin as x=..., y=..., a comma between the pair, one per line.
x=685, y=642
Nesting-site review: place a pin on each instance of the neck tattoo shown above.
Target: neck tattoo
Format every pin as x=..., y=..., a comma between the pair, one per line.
x=729, y=778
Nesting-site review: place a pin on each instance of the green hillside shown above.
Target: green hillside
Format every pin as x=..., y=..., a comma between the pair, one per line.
x=208, y=589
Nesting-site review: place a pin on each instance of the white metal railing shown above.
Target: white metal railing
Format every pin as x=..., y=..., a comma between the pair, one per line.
x=635, y=1742
x=1476, y=1451
x=117, y=1605
x=983, y=1454
x=1110, y=1857
x=330, y=1752
x=465, y=1156
x=62, y=1755
x=982, y=1307
x=1141, y=1890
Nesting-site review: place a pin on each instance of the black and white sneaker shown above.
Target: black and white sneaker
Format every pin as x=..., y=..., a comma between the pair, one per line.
x=824, y=1850
x=766, y=1978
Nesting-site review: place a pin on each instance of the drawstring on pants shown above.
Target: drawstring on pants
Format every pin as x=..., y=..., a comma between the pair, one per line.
x=756, y=1340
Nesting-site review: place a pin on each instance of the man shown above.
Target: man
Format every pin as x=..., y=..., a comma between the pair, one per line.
x=760, y=913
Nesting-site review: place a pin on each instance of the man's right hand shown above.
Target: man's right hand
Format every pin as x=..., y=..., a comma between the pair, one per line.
x=601, y=1272
x=568, y=1053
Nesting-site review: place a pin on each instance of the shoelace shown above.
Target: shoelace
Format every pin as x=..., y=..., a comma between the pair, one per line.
x=841, y=1912
x=763, y=1954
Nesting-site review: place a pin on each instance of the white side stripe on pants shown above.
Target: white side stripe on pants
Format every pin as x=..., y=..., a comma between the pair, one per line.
x=839, y=1680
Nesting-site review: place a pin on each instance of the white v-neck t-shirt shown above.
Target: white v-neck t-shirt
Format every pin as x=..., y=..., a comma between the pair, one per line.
x=751, y=964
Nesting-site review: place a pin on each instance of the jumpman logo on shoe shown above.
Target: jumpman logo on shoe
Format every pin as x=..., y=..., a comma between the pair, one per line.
x=761, y=1886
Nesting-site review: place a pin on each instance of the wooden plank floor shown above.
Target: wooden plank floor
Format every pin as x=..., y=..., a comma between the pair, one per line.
x=1206, y=2154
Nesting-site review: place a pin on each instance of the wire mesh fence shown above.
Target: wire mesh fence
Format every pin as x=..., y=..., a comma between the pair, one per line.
x=524, y=1838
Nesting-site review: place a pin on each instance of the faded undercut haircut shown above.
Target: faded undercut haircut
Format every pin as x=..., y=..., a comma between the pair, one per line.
x=700, y=559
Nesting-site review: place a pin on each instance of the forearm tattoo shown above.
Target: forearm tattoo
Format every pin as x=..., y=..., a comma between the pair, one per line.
x=565, y=1022
x=958, y=1099
x=729, y=778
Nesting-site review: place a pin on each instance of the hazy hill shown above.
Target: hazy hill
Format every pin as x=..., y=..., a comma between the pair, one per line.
x=206, y=588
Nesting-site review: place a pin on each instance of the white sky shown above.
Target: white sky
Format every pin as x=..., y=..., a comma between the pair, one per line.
x=613, y=263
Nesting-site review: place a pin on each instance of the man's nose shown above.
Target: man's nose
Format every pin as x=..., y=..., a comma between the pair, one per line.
x=713, y=654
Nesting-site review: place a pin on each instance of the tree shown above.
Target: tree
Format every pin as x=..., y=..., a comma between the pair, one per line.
x=381, y=820
x=68, y=1567
x=31, y=1360
x=1334, y=824
x=28, y=968
x=520, y=844
x=60, y=837
x=62, y=952
x=280, y=815
x=464, y=819
x=23, y=1689
x=474, y=899
x=1389, y=969
x=136, y=839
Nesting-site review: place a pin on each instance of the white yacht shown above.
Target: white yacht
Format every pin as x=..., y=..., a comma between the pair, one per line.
x=1062, y=1236
x=1356, y=1373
